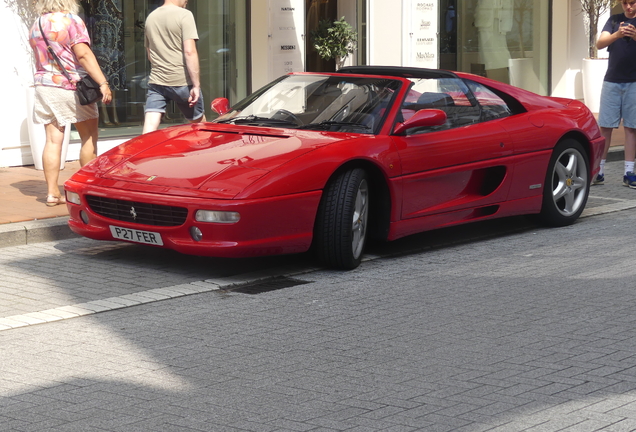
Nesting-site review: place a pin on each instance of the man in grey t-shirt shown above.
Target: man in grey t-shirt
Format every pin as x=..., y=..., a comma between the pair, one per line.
x=170, y=42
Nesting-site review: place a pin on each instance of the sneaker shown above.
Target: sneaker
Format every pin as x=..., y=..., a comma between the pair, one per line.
x=629, y=180
x=599, y=180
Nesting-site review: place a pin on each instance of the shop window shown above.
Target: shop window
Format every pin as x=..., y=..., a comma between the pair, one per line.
x=316, y=11
x=506, y=40
x=116, y=28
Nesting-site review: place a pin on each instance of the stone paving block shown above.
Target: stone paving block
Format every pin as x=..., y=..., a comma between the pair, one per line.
x=64, y=314
x=155, y=295
x=138, y=298
x=11, y=424
x=622, y=426
x=184, y=289
x=119, y=300
x=93, y=306
x=169, y=292
x=30, y=320
x=12, y=323
x=77, y=311
x=607, y=405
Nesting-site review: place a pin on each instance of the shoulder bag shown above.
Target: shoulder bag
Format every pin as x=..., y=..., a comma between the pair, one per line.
x=86, y=88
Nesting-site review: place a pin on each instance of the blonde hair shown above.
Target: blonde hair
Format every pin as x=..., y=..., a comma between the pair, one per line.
x=46, y=6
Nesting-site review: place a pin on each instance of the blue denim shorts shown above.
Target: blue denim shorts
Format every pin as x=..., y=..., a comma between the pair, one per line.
x=618, y=101
x=157, y=98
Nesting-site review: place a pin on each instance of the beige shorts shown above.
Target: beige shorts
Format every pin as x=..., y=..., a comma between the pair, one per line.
x=60, y=107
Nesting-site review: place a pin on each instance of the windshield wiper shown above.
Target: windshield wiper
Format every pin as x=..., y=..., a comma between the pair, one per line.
x=329, y=123
x=257, y=119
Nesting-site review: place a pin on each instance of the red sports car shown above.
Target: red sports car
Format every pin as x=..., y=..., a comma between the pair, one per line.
x=330, y=160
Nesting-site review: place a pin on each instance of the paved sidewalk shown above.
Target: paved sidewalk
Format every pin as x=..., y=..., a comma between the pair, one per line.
x=24, y=216
x=23, y=193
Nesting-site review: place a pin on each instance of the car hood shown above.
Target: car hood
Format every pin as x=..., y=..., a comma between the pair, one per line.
x=220, y=159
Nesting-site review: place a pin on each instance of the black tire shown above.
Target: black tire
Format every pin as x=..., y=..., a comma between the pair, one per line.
x=567, y=184
x=341, y=224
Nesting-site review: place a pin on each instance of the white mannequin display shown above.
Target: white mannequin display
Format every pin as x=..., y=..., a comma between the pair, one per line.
x=493, y=19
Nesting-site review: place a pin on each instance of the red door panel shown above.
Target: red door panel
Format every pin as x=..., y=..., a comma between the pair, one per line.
x=453, y=169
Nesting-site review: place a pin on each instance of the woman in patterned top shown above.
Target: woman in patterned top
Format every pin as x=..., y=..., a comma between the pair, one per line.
x=56, y=104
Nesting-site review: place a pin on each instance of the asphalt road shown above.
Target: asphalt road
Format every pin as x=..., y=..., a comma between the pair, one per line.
x=500, y=326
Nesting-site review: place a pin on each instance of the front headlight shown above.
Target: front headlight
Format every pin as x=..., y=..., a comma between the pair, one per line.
x=73, y=198
x=217, y=216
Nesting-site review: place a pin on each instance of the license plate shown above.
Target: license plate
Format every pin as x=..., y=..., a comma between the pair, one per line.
x=137, y=236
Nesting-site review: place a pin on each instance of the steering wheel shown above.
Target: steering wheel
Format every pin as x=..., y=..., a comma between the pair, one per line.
x=289, y=115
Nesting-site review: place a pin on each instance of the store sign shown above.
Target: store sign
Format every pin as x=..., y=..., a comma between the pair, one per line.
x=421, y=42
x=287, y=45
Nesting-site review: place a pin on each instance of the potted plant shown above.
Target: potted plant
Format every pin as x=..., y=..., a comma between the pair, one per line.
x=594, y=68
x=334, y=40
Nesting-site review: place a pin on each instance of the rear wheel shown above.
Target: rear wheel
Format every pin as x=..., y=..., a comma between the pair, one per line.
x=341, y=223
x=567, y=184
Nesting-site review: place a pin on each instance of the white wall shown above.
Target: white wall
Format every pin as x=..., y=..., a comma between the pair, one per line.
x=385, y=32
x=260, y=43
x=262, y=52
x=569, y=48
x=420, y=34
x=347, y=9
x=16, y=75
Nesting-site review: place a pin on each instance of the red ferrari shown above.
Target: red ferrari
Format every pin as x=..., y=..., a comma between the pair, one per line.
x=327, y=161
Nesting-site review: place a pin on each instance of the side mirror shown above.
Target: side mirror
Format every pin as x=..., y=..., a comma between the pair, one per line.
x=422, y=118
x=220, y=106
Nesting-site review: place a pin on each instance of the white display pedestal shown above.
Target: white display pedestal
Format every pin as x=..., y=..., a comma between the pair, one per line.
x=522, y=74
x=593, y=72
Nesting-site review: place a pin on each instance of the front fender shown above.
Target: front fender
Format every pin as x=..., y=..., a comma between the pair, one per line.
x=311, y=171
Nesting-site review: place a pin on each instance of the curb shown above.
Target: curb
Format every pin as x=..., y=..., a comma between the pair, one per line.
x=616, y=154
x=37, y=231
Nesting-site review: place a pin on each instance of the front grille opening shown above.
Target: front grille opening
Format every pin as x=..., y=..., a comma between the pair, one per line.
x=268, y=285
x=137, y=212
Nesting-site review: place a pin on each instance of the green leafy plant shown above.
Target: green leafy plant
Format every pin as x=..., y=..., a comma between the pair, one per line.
x=334, y=40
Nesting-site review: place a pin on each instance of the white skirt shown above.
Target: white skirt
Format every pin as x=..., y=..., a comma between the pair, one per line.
x=60, y=107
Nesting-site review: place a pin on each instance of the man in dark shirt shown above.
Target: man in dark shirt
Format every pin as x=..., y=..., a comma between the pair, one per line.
x=618, y=96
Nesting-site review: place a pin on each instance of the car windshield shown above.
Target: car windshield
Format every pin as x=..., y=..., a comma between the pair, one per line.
x=318, y=102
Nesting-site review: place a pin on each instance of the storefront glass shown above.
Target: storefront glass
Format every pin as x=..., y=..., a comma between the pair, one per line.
x=506, y=40
x=116, y=28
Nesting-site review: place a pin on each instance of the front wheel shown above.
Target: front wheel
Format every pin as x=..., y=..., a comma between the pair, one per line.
x=567, y=184
x=341, y=224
